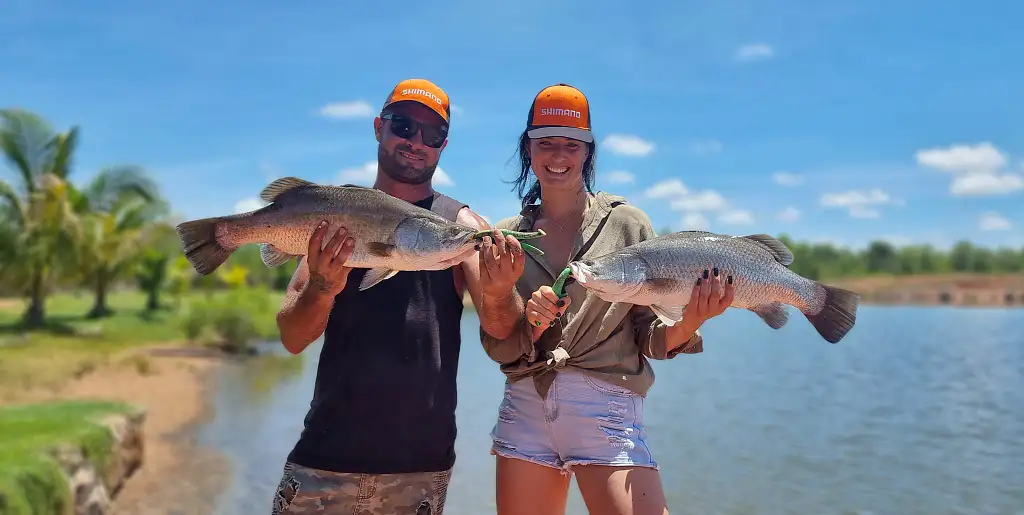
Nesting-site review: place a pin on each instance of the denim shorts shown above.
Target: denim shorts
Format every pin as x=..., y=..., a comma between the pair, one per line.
x=583, y=421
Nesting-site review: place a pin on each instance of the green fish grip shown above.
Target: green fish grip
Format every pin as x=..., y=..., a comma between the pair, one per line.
x=519, y=235
x=564, y=279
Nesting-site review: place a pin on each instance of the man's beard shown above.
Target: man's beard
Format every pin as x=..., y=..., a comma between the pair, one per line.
x=388, y=162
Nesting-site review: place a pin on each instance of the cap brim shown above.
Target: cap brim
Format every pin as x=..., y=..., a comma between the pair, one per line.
x=561, y=132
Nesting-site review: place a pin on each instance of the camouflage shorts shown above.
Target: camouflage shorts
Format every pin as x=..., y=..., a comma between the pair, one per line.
x=305, y=491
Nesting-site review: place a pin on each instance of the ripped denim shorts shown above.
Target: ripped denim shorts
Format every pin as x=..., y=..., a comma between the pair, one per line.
x=583, y=421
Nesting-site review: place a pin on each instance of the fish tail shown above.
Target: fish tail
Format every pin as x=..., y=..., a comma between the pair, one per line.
x=837, y=315
x=199, y=241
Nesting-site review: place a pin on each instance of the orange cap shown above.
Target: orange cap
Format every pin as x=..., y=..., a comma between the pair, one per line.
x=424, y=92
x=560, y=110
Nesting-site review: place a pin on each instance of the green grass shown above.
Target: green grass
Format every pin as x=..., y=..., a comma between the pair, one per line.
x=31, y=481
x=71, y=345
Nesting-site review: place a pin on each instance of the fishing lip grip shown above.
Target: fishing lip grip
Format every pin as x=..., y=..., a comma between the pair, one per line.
x=564, y=279
x=519, y=235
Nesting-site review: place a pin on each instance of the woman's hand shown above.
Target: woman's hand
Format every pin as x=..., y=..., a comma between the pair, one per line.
x=544, y=307
x=708, y=299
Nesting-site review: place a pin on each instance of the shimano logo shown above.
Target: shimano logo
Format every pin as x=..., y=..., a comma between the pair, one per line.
x=552, y=111
x=424, y=93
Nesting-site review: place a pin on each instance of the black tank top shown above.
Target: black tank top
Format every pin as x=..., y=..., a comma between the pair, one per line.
x=385, y=394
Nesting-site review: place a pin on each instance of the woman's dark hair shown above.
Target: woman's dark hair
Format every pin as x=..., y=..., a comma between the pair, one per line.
x=532, y=194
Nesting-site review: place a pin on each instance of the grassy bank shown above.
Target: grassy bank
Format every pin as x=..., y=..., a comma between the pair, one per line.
x=31, y=482
x=71, y=345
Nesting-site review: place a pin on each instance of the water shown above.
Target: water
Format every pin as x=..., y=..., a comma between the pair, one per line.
x=918, y=411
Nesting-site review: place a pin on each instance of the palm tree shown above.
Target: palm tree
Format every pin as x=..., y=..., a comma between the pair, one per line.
x=33, y=212
x=117, y=211
x=43, y=213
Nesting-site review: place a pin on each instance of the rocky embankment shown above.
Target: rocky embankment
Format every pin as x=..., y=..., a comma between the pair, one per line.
x=93, y=483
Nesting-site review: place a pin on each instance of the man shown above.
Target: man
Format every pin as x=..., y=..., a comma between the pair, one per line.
x=379, y=436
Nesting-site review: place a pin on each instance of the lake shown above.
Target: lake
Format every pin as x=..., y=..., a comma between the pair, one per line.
x=917, y=411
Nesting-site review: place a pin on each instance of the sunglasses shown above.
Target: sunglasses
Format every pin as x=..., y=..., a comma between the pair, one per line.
x=406, y=128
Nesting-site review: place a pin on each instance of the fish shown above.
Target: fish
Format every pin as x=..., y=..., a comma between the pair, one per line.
x=390, y=234
x=660, y=273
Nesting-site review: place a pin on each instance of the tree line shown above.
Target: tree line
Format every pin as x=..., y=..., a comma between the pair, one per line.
x=116, y=231
x=821, y=261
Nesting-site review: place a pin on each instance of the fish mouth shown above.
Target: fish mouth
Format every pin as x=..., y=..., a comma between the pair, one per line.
x=581, y=273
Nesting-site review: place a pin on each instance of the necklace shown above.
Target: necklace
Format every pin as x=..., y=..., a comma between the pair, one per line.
x=568, y=217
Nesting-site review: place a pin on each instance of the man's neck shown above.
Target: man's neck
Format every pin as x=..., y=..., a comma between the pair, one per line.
x=559, y=205
x=406, y=192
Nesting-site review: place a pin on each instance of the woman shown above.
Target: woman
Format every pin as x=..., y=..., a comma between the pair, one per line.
x=577, y=367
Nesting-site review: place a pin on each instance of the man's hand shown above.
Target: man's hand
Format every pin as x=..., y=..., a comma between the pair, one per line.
x=501, y=263
x=328, y=274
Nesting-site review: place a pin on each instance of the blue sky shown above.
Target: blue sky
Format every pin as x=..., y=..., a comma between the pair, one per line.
x=832, y=121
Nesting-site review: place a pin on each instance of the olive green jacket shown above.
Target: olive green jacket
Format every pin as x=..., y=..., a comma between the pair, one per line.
x=609, y=341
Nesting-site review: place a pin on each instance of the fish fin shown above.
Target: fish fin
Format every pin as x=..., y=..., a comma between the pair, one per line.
x=774, y=314
x=779, y=251
x=380, y=249
x=669, y=315
x=199, y=242
x=282, y=185
x=273, y=257
x=374, y=276
x=837, y=316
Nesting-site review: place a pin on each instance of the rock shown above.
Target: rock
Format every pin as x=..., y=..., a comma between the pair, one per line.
x=91, y=489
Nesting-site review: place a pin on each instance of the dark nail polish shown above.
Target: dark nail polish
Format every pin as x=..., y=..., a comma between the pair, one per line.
x=698, y=281
x=715, y=270
x=560, y=303
x=552, y=324
x=705, y=273
x=730, y=279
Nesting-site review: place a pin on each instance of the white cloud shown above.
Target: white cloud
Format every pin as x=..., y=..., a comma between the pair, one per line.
x=737, y=217
x=619, y=177
x=695, y=221
x=457, y=109
x=790, y=214
x=707, y=200
x=986, y=184
x=992, y=221
x=707, y=147
x=441, y=178
x=666, y=189
x=858, y=203
x=754, y=52
x=248, y=204
x=977, y=169
x=787, y=179
x=364, y=175
x=981, y=157
x=628, y=145
x=347, y=110
x=864, y=212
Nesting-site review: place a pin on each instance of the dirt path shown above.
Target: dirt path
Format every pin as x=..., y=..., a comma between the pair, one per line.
x=177, y=476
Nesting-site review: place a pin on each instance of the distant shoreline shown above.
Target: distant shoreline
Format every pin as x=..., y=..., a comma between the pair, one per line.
x=960, y=290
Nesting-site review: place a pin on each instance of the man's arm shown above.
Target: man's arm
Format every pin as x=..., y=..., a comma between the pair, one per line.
x=501, y=310
x=304, y=312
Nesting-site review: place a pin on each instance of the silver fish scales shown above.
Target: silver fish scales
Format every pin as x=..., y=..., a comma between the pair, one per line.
x=660, y=273
x=390, y=234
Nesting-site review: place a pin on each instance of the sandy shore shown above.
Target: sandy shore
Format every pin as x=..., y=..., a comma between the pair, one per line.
x=177, y=476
